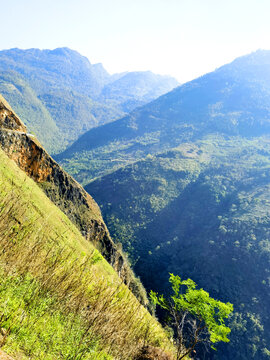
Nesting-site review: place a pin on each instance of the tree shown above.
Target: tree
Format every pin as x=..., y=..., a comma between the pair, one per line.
x=194, y=315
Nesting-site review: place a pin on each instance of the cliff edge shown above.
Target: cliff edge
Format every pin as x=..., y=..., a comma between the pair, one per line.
x=61, y=189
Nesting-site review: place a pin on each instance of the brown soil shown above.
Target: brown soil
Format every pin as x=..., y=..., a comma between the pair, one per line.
x=152, y=353
x=4, y=356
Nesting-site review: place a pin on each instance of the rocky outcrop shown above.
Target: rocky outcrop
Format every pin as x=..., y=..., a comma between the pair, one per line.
x=8, y=119
x=60, y=187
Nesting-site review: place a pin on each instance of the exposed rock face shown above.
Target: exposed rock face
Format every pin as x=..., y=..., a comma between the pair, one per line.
x=8, y=119
x=61, y=188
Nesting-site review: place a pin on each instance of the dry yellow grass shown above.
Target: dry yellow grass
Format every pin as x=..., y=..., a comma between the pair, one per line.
x=39, y=241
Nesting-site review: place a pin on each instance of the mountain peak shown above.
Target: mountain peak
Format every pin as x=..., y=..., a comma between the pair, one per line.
x=64, y=51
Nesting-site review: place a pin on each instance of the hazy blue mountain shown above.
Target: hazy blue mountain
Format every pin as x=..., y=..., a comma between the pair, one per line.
x=32, y=110
x=69, y=87
x=194, y=195
x=136, y=88
x=60, y=68
x=233, y=100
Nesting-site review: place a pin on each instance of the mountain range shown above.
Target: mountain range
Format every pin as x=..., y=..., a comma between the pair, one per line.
x=183, y=184
x=65, y=95
x=233, y=100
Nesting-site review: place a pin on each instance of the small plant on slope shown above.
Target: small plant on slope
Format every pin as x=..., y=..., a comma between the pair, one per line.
x=195, y=316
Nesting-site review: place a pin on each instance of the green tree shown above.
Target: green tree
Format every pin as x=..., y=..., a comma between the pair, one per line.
x=195, y=316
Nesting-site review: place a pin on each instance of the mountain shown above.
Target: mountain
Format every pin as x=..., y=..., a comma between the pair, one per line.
x=66, y=92
x=135, y=89
x=19, y=92
x=59, y=297
x=193, y=196
x=56, y=69
x=233, y=100
x=201, y=211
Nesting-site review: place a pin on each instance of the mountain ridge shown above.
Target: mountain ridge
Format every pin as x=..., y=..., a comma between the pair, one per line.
x=183, y=184
x=213, y=103
x=65, y=92
x=62, y=190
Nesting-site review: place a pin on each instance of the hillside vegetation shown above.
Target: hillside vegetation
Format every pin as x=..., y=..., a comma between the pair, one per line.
x=201, y=210
x=193, y=196
x=25, y=150
x=59, y=297
x=233, y=100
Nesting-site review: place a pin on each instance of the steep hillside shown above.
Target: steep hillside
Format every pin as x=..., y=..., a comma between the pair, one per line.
x=233, y=100
x=63, y=191
x=201, y=210
x=59, y=298
x=66, y=91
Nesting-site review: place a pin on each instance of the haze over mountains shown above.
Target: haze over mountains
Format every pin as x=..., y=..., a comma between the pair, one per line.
x=233, y=100
x=183, y=182
x=65, y=95
x=193, y=195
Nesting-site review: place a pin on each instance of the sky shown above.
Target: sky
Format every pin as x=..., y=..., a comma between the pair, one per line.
x=181, y=38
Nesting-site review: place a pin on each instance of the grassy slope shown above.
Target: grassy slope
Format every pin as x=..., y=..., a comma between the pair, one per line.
x=59, y=297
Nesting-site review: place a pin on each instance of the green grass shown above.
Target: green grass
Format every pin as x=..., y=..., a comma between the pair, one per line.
x=54, y=283
x=37, y=324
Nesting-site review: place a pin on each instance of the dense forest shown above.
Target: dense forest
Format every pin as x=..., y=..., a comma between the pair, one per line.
x=187, y=211
x=193, y=196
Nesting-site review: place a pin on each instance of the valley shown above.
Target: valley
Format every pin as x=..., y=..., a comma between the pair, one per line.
x=181, y=176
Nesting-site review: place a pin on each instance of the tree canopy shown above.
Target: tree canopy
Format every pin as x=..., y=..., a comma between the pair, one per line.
x=195, y=316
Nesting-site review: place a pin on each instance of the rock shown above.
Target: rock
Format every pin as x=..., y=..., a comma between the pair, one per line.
x=60, y=187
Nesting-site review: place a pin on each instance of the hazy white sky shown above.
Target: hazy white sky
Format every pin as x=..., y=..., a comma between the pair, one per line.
x=182, y=38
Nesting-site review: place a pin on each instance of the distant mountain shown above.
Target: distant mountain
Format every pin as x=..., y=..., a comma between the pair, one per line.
x=233, y=100
x=136, y=88
x=34, y=112
x=193, y=198
x=55, y=69
x=67, y=91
